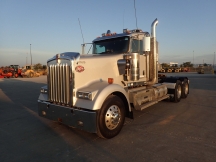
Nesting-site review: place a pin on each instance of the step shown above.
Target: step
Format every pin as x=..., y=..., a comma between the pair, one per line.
x=150, y=103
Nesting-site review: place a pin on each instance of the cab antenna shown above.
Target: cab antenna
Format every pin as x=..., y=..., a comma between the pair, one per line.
x=81, y=30
x=135, y=13
x=83, y=45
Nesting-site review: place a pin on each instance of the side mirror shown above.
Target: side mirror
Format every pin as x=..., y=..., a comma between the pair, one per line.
x=146, y=44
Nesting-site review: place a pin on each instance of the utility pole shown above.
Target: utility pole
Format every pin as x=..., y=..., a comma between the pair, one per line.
x=30, y=54
x=26, y=58
x=193, y=57
x=214, y=60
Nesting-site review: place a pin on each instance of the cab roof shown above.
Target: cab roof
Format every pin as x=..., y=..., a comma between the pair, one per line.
x=128, y=33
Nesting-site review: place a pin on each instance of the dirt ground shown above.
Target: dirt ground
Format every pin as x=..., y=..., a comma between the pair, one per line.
x=167, y=131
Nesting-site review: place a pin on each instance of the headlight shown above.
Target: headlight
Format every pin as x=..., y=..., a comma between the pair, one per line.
x=84, y=95
x=43, y=90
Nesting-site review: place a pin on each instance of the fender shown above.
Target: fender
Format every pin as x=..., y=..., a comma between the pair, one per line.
x=170, y=82
x=101, y=90
x=173, y=79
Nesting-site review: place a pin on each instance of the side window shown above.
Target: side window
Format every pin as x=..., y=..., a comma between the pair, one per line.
x=99, y=49
x=134, y=46
x=137, y=46
x=141, y=47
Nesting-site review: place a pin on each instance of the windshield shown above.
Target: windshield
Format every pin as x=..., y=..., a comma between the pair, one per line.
x=14, y=66
x=28, y=67
x=115, y=45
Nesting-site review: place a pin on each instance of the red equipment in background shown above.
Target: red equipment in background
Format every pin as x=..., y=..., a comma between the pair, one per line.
x=11, y=71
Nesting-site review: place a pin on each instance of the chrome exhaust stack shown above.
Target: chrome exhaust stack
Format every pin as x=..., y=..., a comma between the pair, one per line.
x=153, y=57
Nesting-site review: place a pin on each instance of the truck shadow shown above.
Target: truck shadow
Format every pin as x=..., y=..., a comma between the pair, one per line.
x=19, y=117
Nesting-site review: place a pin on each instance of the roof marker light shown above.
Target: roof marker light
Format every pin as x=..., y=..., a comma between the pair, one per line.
x=126, y=31
x=108, y=32
x=110, y=80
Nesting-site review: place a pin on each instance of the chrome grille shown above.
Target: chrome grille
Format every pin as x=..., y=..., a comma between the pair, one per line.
x=59, y=83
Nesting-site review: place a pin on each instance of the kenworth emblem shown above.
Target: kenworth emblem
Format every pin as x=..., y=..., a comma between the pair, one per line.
x=79, y=69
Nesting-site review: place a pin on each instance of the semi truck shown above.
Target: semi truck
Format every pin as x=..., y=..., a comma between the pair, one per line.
x=96, y=92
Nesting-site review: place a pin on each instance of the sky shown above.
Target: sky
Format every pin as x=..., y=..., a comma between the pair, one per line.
x=186, y=30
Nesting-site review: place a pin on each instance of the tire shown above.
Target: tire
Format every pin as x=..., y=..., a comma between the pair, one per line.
x=177, y=92
x=111, y=117
x=185, y=89
x=30, y=75
x=5, y=71
x=15, y=75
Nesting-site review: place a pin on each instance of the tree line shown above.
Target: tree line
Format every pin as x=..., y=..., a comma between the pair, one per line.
x=184, y=64
x=39, y=66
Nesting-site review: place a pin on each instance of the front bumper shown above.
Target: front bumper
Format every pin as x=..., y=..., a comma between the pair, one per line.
x=81, y=119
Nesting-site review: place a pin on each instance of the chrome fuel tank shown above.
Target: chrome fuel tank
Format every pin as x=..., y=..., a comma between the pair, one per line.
x=133, y=66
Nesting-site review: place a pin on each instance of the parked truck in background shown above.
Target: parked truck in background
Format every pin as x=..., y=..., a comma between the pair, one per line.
x=95, y=92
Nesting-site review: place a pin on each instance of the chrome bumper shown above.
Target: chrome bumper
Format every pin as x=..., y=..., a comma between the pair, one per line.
x=81, y=119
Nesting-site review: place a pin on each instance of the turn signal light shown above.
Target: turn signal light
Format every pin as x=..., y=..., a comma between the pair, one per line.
x=110, y=80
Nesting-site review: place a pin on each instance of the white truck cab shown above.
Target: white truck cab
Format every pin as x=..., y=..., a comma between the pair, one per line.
x=95, y=92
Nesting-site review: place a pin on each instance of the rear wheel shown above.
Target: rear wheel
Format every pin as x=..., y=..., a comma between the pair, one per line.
x=111, y=117
x=185, y=89
x=177, y=92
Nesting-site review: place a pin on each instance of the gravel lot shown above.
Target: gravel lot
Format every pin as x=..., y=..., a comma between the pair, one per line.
x=167, y=131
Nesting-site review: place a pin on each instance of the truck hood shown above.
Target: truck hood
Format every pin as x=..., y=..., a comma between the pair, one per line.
x=91, y=68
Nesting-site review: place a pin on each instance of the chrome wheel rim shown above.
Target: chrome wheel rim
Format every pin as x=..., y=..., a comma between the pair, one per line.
x=186, y=89
x=112, y=117
x=179, y=91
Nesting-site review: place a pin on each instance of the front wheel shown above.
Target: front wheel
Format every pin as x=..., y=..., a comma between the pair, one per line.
x=30, y=75
x=111, y=117
x=16, y=75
